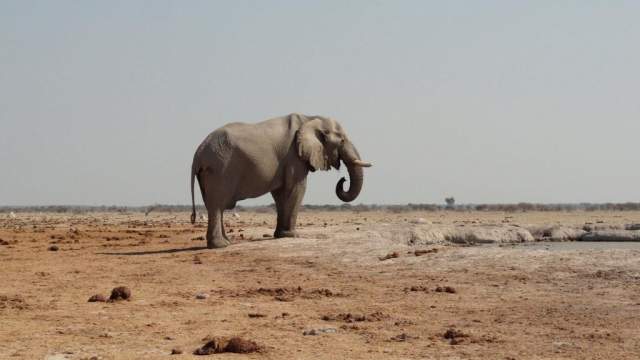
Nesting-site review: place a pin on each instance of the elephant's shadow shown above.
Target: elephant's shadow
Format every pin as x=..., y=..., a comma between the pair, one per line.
x=179, y=250
x=155, y=252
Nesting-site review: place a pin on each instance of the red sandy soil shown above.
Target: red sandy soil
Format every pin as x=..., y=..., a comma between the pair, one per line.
x=336, y=281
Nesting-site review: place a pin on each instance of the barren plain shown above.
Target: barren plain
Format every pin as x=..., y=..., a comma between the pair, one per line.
x=369, y=285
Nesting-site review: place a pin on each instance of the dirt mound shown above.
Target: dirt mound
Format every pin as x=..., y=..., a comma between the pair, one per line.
x=462, y=234
x=556, y=233
x=590, y=227
x=120, y=293
x=489, y=234
x=235, y=344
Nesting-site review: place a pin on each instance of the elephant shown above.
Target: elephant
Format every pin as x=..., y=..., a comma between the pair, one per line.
x=240, y=161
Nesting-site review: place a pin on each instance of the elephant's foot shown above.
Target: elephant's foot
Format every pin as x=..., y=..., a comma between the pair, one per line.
x=217, y=243
x=285, y=233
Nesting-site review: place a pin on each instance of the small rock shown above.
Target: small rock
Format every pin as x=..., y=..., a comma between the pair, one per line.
x=417, y=288
x=391, y=255
x=202, y=296
x=256, y=315
x=120, y=293
x=176, y=351
x=241, y=346
x=53, y=248
x=266, y=235
x=314, y=332
x=402, y=337
x=454, y=336
x=211, y=347
x=98, y=298
x=233, y=345
x=447, y=289
x=423, y=252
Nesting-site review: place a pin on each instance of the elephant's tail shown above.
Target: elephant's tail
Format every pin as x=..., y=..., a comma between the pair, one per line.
x=193, y=200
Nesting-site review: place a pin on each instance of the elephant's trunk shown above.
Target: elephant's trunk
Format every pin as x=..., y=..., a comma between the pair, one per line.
x=351, y=158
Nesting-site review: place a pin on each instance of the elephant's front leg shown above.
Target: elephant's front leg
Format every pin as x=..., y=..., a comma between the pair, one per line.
x=288, y=203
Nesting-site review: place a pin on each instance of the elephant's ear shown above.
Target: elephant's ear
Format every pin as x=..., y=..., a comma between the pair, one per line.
x=310, y=148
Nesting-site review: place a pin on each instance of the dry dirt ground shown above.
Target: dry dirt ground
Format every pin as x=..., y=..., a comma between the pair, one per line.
x=452, y=302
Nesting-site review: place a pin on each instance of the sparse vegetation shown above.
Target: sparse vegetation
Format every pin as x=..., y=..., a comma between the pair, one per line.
x=519, y=207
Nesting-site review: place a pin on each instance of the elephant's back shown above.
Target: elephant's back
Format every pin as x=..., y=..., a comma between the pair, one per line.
x=265, y=141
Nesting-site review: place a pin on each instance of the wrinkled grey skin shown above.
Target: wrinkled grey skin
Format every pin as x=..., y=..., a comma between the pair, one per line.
x=240, y=161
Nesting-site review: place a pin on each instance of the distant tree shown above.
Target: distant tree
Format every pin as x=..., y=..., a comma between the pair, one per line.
x=451, y=201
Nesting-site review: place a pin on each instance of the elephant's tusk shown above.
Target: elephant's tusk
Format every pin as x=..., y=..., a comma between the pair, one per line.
x=361, y=163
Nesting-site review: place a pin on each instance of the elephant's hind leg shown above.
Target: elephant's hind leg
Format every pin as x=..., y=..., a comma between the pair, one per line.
x=212, y=196
x=224, y=233
x=215, y=237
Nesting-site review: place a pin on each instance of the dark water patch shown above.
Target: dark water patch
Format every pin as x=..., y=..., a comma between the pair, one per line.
x=577, y=245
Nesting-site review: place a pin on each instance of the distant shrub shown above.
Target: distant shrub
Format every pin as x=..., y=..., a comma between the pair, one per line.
x=450, y=201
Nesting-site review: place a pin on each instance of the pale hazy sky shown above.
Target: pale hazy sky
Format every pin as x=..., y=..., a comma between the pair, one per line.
x=104, y=102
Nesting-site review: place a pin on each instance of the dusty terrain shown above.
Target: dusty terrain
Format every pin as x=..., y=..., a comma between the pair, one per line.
x=352, y=283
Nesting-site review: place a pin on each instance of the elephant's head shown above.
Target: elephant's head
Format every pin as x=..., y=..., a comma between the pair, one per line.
x=322, y=143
